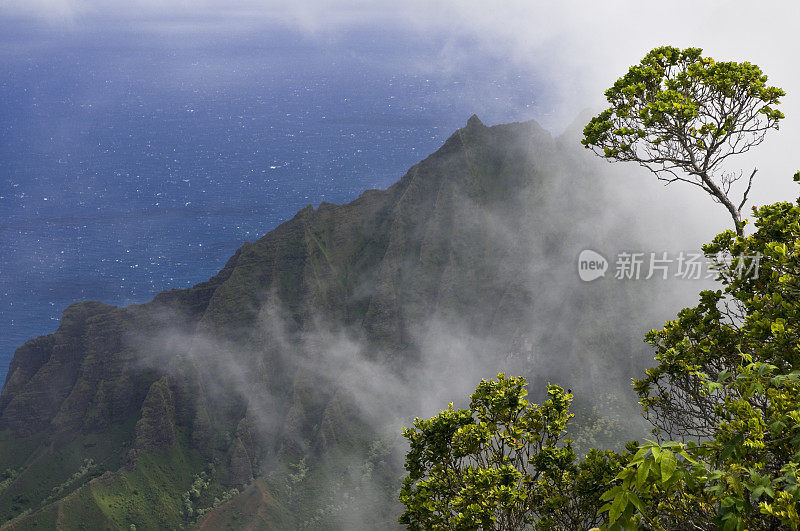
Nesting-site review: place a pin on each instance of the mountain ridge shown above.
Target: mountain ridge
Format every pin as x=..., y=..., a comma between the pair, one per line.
x=290, y=366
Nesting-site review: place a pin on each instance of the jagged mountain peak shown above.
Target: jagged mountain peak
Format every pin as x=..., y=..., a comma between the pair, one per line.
x=474, y=122
x=235, y=371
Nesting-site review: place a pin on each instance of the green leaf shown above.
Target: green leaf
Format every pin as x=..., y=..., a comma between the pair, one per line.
x=642, y=473
x=617, y=506
x=668, y=464
x=656, y=452
x=634, y=499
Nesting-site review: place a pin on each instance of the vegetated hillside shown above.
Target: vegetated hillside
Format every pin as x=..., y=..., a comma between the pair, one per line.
x=271, y=396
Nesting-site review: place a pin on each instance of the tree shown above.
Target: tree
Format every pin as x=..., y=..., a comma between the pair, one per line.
x=727, y=379
x=682, y=116
x=502, y=464
x=728, y=382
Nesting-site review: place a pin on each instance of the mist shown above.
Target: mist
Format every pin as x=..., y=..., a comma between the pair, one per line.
x=573, y=52
x=323, y=393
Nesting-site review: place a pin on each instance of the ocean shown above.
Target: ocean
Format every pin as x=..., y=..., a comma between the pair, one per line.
x=129, y=167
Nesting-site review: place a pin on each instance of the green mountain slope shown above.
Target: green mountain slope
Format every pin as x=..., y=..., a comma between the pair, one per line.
x=271, y=396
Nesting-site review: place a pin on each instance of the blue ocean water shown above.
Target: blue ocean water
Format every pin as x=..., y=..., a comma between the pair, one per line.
x=128, y=168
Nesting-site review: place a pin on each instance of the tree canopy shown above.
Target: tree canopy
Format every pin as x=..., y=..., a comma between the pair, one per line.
x=682, y=115
x=504, y=463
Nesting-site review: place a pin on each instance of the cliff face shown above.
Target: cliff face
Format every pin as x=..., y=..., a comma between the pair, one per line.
x=150, y=414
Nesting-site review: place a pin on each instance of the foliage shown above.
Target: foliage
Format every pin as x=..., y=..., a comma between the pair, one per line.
x=682, y=115
x=40, y=476
x=201, y=489
x=727, y=379
x=7, y=477
x=501, y=464
x=87, y=467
